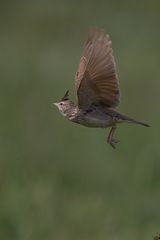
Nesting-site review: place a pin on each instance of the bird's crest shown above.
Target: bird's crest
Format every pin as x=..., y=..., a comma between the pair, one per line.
x=66, y=95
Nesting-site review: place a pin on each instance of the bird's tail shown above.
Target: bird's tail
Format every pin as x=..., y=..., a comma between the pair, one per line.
x=130, y=120
x=139, y=122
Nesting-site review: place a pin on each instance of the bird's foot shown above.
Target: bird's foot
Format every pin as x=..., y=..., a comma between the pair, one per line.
x=112, y=142
x=110, y=138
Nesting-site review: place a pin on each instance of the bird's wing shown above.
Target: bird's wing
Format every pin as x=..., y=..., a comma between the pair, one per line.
x=96, y=79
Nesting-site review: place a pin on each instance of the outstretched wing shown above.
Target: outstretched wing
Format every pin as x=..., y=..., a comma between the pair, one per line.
x=96, y=79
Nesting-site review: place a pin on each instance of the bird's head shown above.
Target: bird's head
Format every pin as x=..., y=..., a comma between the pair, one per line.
x=65, y=105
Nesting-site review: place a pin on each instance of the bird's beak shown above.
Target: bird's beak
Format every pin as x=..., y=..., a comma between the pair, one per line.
x=56, y=104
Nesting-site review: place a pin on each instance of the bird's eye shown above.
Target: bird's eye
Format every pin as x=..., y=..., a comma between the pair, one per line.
x=61, y=104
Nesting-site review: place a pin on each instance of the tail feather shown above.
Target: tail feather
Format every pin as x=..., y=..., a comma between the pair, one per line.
x=141, y=123
x=130, y=120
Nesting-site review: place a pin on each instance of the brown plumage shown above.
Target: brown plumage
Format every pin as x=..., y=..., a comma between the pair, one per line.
x=97, y=88
x=96, y=78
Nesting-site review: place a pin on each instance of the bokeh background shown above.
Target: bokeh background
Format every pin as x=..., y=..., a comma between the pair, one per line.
x=59, y=180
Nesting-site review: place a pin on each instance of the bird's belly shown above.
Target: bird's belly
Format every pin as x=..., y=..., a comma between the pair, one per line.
x=95, y=121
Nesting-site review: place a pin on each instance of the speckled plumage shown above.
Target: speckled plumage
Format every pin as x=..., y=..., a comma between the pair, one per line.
x=97, y=88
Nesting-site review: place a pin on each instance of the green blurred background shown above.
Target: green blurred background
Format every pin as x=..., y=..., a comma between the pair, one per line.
x=59, y=180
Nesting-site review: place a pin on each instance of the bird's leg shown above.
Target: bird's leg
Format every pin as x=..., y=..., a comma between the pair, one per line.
x=110, y=139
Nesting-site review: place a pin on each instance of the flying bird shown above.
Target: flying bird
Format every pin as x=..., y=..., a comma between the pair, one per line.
x=97, y=88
